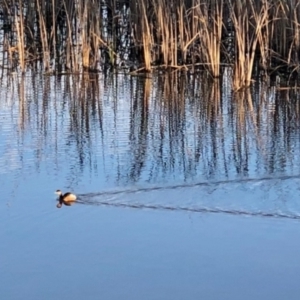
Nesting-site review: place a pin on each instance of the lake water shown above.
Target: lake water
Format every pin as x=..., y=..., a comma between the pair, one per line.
x=185, y=190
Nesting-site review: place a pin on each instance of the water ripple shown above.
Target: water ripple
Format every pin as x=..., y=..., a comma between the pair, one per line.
x=208, y=197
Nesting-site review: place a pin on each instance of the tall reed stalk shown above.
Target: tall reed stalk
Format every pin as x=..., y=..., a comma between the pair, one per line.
x=146, y=37
x=210, y=22
x=19, y=23
x=43, y=35
x=249, y=18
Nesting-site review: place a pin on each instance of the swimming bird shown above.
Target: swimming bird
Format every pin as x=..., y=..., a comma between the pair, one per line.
x=66, y=198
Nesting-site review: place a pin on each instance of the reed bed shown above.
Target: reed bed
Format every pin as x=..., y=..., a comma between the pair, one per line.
x=143, y=35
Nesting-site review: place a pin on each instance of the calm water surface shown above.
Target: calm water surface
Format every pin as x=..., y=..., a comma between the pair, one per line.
x=186, y=191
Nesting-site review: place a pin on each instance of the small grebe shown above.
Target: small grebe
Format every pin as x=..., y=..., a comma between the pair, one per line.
x=66, y=198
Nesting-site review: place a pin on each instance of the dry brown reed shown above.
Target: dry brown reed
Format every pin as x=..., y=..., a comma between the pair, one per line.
x=209, y=28
x=145, y=34
x=249, y=18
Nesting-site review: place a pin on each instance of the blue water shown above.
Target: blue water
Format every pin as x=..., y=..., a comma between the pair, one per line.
x=112, y=253
x=181, y=195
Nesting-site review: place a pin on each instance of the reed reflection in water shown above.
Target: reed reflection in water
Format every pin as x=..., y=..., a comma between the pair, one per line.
x=166, y=171
x=115, y=130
